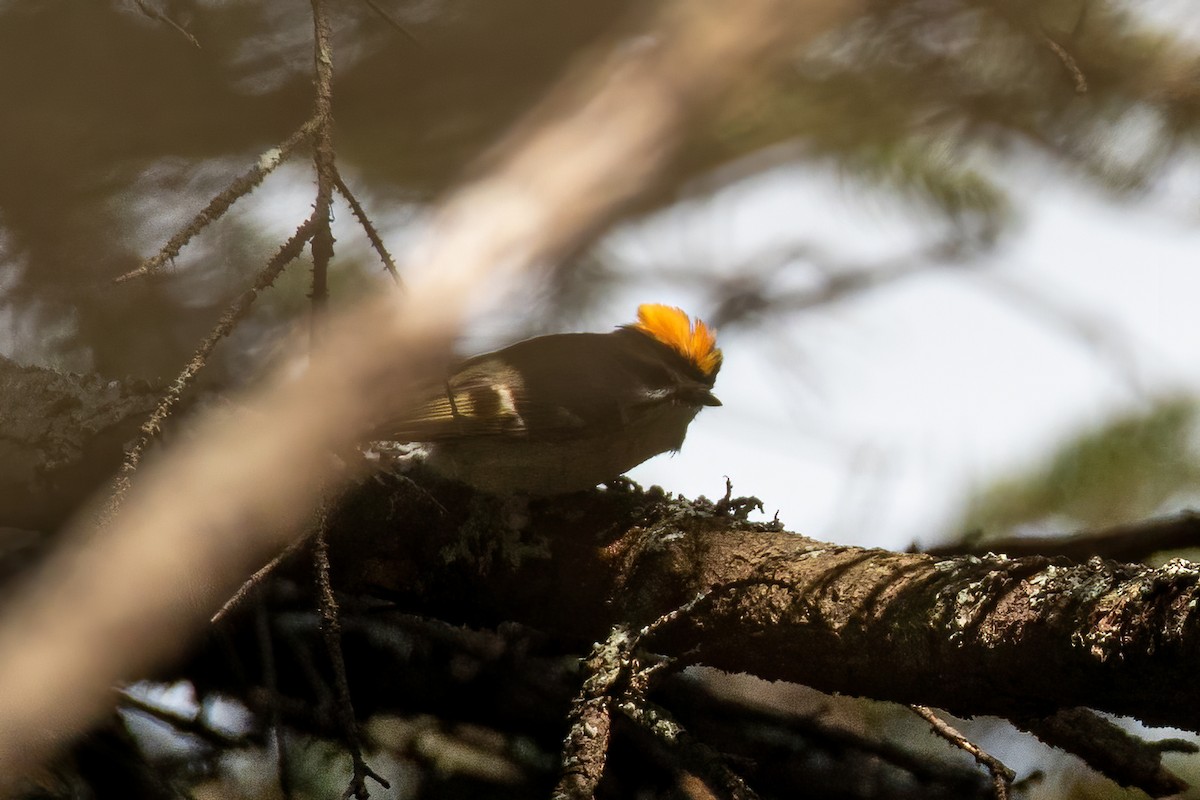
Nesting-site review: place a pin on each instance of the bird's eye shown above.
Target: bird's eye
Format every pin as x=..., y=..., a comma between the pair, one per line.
x=652, y=373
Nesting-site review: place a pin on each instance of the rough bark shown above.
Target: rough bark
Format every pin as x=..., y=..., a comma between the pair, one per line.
x=972, y=635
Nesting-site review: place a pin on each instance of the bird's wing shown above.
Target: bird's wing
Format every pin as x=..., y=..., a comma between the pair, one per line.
x=472, y=403
x=545, y=388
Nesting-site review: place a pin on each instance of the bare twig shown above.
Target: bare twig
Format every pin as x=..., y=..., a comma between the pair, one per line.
x=239, y=187
x=1002, y=776
x=701, y=601
x=1069, y=62
x=237, y=310
x=323, y=158
x=255, y=580
x=368, y=227
x=752, y=291
x=331, y=630
x=585, y=748
x=615, y=675
x=709, y=708
x=392, y=21
x=158, y=16
x=697, y=757
x=191, y=725
x=266, y=652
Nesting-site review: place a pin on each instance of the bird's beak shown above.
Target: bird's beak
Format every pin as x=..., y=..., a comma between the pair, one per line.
x=694, y=394
x=697, y=395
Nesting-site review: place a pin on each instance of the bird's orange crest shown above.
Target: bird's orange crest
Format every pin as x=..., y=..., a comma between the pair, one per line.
x=694, y=341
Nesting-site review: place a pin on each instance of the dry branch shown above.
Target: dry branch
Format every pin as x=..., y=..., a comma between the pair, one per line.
x=1002, y=776
x=216, y=208
x=1023, y=639
x=1009, y=637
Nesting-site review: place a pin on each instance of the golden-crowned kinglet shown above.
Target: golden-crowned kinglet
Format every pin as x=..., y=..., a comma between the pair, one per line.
x=564, y=412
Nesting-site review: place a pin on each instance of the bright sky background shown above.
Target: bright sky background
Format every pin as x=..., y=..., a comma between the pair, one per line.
x=867, y=422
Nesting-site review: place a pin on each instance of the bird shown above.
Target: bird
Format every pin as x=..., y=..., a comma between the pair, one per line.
x=564, y=412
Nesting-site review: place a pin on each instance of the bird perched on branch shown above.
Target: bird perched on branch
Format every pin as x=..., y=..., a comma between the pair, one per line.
x=564, y=412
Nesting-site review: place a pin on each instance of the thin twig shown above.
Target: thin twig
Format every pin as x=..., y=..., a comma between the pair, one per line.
x=707, y=705
x=158, y=16
x=645, y=674
x=255, y=580
x=585, y=747
x=191, y=725
x=698, y=757
x=1002, y=776
x=266, y=648
x=331, y=629
x=390, y=20
x=150, y=430
x=754, y=289
x=323, y=158
x=365, y=222
x=612, y=663
x=702, y=599
x=1068, y=61
x=240, y=186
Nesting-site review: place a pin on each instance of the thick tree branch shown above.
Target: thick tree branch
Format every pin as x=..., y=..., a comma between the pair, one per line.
x=1028, y=639
x=1014, y=638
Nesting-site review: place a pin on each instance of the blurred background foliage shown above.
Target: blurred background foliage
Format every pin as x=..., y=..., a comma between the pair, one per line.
x=1136, y=466
x=119, y=128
